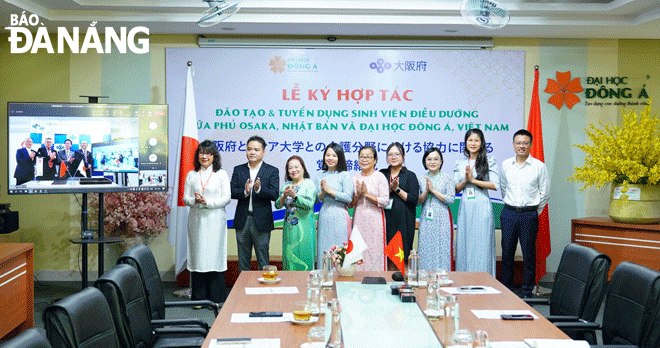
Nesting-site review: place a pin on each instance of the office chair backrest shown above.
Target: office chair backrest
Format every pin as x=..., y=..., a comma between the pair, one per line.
x=123, y=290
x=143, y=260
x=632, y=307
x=30, y=338
x=81, y=320
x=580, y=282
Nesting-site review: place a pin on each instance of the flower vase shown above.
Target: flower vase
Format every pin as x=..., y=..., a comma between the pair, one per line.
x=641, y=207
x=346, y=271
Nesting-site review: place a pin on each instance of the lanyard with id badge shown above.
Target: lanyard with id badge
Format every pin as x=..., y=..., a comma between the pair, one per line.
x=469, y=190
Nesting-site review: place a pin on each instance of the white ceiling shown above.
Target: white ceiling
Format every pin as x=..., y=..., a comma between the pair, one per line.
x=618, y=19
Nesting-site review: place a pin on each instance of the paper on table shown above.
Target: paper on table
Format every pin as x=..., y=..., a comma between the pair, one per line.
x=458, y=291
x=246, y=318
x=272, y=290
x=555, y=343
x=508, y=344
x=497, y=314
x=254, y=343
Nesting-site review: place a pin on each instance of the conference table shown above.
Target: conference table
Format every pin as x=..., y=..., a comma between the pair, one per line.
x=291, y=335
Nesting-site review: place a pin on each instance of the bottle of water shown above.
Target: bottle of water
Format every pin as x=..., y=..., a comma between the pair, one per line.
x=413, y=268
x=335, y=335
x=326, y=268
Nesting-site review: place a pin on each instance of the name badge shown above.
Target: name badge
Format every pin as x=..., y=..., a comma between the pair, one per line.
x=389, y=204
x=469, y=192
x=429, y=214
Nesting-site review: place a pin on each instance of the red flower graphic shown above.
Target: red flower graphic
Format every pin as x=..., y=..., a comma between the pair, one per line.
x=563, y=90
x=277, y=65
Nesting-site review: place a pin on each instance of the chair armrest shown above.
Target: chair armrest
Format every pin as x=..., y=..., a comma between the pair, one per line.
x=537, y=301
x=562, y=318
x=178, y=322
x=183, y=331
x=204, y=303
x=580, y=325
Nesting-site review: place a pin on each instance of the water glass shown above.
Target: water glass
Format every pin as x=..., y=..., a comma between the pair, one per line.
x=462, y=338
x=443, y=275
x=422, y=278
x=315, y=335
x=432, y=284
x=481, y=339
x=301, y=311
x=432, y=310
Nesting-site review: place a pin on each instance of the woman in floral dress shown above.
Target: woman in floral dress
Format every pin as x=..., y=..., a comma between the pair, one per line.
x=335, y=189
x=435, y=225
x=298, y=195
x=370, y=195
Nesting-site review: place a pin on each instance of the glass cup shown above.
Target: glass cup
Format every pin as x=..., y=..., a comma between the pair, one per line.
x=432, y=311
x=301, y=311
x=443, y=275
x=422, y=278
x=316, y=336
x=269, y=272
x=462, y=338
x=481, y=339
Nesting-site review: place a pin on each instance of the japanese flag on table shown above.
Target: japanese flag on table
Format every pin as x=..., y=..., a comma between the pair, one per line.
x=394, y=250
x=81, y=168
x=178, y=227
x=356, y=246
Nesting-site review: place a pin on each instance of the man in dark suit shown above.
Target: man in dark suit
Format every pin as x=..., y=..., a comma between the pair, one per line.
x=84, y=156
x=25, y=160
x=49, y=161
x=67, y=159
x=254, y=184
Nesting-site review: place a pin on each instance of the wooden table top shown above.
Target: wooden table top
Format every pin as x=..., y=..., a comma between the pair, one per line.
x=293, y=335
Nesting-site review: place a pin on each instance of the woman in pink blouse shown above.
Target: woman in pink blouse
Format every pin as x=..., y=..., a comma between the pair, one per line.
x=371, y=195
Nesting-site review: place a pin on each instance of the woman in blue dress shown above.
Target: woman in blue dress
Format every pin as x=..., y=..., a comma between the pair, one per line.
x=435, y=226
x=335, y=190
x=475, y=235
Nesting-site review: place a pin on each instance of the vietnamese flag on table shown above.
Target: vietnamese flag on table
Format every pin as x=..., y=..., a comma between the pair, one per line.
x=534, y=126
x=178, y=227
x=394, y=251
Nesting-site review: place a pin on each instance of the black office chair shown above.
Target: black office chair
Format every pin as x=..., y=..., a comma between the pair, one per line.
x=81, y=320
x=129, y=308
x=579, y=285
x=632, y=308
x=30, y=338
x=143, y=260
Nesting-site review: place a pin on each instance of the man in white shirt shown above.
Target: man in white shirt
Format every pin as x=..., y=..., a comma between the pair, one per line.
x=525, y=192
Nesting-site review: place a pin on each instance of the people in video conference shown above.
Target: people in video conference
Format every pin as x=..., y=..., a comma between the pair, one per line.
x=84, y=157
x=207, y=193
x=335, y=190
x=255, y=185
x=47, y=161
x=474, y=175
x=66, y=158
x=25, y=160
x=298, y=196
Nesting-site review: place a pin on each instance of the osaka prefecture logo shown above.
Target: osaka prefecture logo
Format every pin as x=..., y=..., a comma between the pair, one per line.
x=22, y=40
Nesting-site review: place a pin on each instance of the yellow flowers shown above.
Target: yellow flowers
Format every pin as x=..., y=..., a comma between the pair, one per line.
x=629, y=154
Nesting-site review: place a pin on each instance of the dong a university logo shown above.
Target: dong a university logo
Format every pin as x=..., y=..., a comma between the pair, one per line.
x=22, y=40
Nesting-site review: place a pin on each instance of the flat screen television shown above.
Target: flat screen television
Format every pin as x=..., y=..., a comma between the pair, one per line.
x=73, y=148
